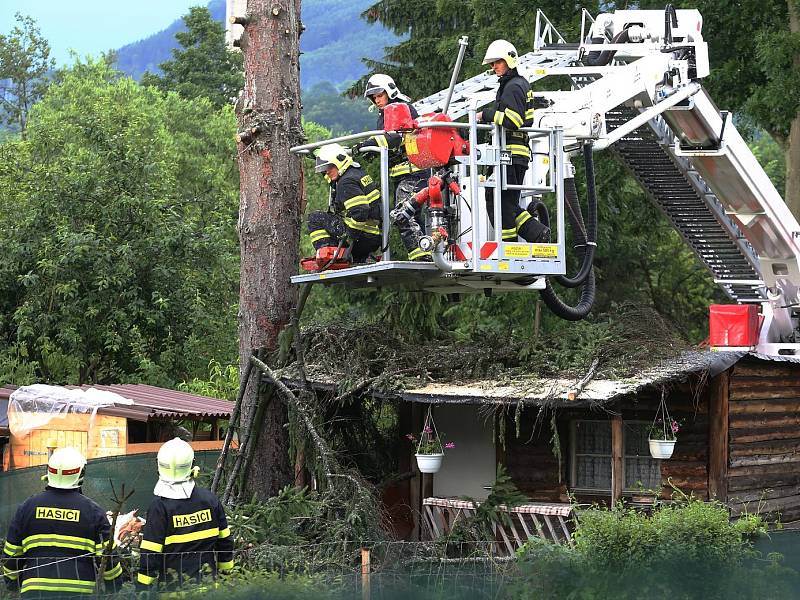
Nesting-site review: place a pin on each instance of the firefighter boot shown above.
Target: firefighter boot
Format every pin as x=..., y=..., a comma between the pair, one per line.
x=534, y=231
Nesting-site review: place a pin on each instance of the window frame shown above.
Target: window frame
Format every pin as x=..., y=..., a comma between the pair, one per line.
x=573, y=455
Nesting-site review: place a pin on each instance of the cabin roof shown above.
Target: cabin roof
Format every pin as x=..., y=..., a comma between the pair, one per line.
x=569, y=392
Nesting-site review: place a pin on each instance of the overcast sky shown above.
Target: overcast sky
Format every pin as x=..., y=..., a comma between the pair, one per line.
x=92, y=26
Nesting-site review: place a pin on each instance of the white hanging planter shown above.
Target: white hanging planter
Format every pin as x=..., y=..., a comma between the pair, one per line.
x=429, y=463
x=661, y=448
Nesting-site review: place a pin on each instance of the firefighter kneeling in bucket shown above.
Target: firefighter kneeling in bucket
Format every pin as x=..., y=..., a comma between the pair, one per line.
x=354, y=206
x=57, y=538
x=186, y=535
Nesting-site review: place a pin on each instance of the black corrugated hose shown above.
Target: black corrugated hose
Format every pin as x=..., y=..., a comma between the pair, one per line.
x=585, y=244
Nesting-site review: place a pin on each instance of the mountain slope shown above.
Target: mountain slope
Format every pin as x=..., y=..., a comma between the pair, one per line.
x=333, y=44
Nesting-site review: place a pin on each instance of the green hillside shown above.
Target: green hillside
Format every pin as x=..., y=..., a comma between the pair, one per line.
x=333, y=44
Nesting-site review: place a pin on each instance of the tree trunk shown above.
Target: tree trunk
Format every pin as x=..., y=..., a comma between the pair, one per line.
x=792, y=194
x=269, y=213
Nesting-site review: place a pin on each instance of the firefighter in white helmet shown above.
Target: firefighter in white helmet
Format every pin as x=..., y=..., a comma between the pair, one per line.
x=57, y=538
x=406, y=178
x=513, y=109
x=186, y=529
x=354, y=205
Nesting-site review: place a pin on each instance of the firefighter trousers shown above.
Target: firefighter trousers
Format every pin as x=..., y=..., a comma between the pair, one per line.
x=328, y=229
x=516, y=221
x=411, y=231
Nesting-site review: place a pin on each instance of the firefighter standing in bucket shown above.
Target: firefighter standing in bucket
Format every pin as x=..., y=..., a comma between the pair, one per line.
x=513, y=109
x=354, y=206
x=407, y=178
x=186, y=535
x=57, y=538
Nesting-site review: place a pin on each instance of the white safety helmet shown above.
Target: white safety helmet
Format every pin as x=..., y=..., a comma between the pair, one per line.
x=383, y=83
x=65, y=469
x=175, y=459
x=501, y=50
x=332, y=155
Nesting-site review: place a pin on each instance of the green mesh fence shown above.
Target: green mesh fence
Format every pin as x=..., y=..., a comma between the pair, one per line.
x=136, y=471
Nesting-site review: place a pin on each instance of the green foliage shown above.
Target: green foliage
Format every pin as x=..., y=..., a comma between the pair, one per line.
x=323, y=104
x=222, y=382
x=24, y=64
x=690, y=550
x=203, y=67
x=120, y=258
x=282, y=519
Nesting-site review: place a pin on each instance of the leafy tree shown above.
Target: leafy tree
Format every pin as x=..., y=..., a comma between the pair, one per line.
x=204, y=67
x=24, y=63
x=119, y=258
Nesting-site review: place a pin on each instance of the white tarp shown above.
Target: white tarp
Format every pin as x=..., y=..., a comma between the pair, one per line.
x=34, y=406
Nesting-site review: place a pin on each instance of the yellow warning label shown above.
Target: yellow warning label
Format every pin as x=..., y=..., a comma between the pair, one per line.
x=323, y=276
x=544, y=250
x=486, y=267
x=540, y=71
x=516, y=251
x=546, y=160
x=411, y=144
x=503, y=266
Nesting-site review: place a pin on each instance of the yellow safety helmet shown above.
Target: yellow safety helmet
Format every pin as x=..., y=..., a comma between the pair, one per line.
x=175, y=459
x=501, y=50
x=65, y=469
x=332, y=155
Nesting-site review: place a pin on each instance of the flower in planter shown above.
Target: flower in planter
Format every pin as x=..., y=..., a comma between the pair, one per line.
x=660, y=431
x=430, y=442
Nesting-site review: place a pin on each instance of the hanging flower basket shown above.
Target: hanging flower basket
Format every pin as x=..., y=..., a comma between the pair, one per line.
x=429, y=463
x=661, y=448
x=430, y=450
x=662, y=435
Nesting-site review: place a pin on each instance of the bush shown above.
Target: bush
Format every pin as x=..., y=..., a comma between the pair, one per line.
x=691, y=550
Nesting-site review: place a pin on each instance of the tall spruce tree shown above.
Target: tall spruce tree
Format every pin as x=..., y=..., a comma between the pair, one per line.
x=202, y=67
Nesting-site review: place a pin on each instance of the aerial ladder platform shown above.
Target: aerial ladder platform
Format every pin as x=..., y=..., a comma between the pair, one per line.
x=635, y=90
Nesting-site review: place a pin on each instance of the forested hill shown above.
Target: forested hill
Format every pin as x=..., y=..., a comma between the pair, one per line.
x=335, y=40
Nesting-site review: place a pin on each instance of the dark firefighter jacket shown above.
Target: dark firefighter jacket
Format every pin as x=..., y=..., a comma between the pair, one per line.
x=184, y=539
x=356, y=196
x=55, y=543
x=513, y=108
x=399, y=165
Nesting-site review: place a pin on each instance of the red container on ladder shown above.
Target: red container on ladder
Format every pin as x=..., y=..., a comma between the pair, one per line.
x=733, y=325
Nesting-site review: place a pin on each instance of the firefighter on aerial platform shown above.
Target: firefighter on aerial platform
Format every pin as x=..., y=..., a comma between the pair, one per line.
x=57, y=538
x=513, y=109
x=354, y=206
x=187, y=533
x=407, y=178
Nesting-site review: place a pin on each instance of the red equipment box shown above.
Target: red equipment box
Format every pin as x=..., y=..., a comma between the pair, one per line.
x=434, y=147
x=733, y=325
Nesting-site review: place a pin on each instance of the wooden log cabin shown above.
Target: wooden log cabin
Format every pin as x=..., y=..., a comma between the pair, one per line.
x=739, y=442
x=146, y=418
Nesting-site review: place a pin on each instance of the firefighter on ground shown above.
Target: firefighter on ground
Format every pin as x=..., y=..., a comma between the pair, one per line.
x=513, y=108
x=57, y=538
x=406, y=178
x=186, y=535
x=354, y=205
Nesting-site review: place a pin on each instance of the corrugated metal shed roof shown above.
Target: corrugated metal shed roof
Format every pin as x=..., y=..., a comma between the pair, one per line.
x=153, y=402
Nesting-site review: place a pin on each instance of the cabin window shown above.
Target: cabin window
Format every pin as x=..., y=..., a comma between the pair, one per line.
x=591, y=457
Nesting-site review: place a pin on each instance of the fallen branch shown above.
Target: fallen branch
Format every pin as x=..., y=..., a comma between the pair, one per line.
x=573, y=393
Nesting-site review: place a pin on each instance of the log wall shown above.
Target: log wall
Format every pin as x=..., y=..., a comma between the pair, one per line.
x=764, y=439
x=530, y=460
